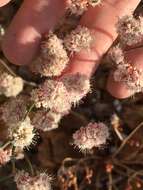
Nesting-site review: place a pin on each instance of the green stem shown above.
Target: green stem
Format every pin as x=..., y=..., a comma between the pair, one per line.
x=8, y=68
x=13, y=74
x=30, y=109
x=13, y=160
x=5, y=178
x=5, y=145
x=29, y=163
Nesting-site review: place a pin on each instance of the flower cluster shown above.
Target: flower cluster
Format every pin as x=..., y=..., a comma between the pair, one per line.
x=78, y=7
x=13, y=110
x=46, y=120
x=78, y=39
x=93, y=135
x=26, y=182
x=22, y=133
x=116, y=55
x=9, y=85
x=77, y=86
x=131, y=76
x=51, y=94
x=60, y=95
x=130, y=30
x=125, y=72
x=53, y=57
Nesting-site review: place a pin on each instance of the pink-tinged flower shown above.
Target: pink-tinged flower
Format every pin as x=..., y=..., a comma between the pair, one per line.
x=116, y=55
x=93, y=135
x=26, y=182
x=46, y=120
x=13, y=110
x=131, y=76
x=77, y=7
x=130, y=30
x=53, y=57
x=9, y=85
x=5, y=156
x=77, y=85
x=52, y=94
x=78, y=39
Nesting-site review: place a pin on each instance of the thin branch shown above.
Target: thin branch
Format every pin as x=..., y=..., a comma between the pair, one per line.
x=15, y=75
x=29, y=163
x=110, y=187
x=8, y=68
x=127, y=139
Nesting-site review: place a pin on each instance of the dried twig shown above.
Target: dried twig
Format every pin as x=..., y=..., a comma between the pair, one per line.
x=127, y=139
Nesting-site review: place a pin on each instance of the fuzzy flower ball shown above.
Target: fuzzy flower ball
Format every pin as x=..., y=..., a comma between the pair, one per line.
x=78, y=39
x=52, y=94
x=78, y=85
x=13, y=110
x=131, y=76
x=9, y=85
x=93, y=135
x=116, y=55
x=26, y=182
x=46, y=120
x=22, y=133
x=77, y=7
x=130, y=30
x=53, y=57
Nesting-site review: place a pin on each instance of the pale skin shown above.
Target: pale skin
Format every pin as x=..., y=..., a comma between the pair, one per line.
x=36, y=17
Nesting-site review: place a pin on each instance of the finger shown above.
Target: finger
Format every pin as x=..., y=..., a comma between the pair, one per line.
x=34, y=18
x=4, y=2
x=101, y=20
x=119, y=89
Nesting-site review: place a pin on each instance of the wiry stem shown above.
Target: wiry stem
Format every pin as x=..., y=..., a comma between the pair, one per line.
x=13, y=160
x=29, y=110
x=5, y=145
x=29, y=163
x=8, y=68
x=127, y=139
x=110, y=181
x=13, y=74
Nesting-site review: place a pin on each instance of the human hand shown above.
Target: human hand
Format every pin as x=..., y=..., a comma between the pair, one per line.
x=4, y=2
x=36, y=17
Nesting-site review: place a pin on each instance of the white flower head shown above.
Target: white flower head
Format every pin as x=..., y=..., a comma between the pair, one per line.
x=53, y=57
x=131, y=76
x=130, y=30
x=78, y=85
x=77, y=7
x=52, y=94
x=9, y=85
x=79, y=39
x=22, y=134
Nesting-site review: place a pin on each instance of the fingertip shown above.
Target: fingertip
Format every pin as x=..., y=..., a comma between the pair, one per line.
x=117, y=89
x=18, y=49
x=4, y=2
x=33, y=19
